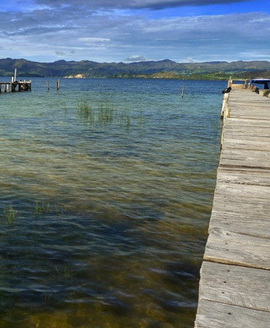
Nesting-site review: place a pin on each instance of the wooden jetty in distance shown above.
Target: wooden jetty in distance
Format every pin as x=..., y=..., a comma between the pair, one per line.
x=15, y=85
x=234, y=287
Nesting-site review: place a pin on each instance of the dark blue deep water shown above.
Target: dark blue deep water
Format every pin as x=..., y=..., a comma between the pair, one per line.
x=105, y=199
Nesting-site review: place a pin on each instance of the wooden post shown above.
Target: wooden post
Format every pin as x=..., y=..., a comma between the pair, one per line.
x=58, y=85
x=48, y=85
x=230, y=82
x=15, y=75
x=225, y=111
x=183, y=90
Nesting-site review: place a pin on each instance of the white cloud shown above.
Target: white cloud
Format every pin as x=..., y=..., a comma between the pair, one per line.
x=89, y=40
x=122, y=4
x=78, y=32
x=136, y=58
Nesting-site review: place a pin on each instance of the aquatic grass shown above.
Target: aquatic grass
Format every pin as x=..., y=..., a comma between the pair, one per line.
x=103, y=114
x=125, y=120
x=10, y=214
x=42, y=209
x=106, y=114
x=48, y=209
x=85, y=111
x=64, y=271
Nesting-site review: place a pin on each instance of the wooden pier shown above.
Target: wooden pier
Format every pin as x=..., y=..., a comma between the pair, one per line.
x=235, y=275
x=15, y=86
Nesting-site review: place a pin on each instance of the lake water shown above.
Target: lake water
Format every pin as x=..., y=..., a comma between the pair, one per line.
x=106, y=194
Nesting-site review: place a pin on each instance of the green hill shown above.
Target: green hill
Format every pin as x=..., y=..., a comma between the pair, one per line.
x=146, y=69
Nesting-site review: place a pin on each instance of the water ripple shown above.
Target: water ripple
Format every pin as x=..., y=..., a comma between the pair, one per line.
x=106, y=193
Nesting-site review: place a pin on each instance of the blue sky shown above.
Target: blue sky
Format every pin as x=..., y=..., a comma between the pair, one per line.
x=137, y=30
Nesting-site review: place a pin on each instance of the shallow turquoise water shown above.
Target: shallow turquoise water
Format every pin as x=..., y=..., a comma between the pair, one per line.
x=106, y=194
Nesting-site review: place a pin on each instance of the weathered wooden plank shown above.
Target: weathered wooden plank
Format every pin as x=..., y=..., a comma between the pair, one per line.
x=235, y=122
x=250, y=115
x=245, y=95
x=246, y=143
x=247, y=104
x=240, y=100
x=243, y=191
x=239, y=108
x=250, y=112
x=259, y=130
x=237, y=249
x=246, y=158
x=243, y=103
x=249, y=223
x=218, y=315
x=261, y=134
x=243, y=176
x=229, y=203
x=238, y=126
x=242, y=124
x=264, y=112
x=230, y=284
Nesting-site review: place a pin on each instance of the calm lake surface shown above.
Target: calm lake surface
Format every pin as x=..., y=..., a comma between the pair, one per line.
x=106, y=194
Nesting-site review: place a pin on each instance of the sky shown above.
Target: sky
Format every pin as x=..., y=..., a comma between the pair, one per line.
x=135, y=30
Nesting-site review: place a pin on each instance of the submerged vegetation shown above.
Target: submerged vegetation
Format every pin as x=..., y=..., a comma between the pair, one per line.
x=103, y=114
x=9, y=214
x=84, y=110
x=42, y=208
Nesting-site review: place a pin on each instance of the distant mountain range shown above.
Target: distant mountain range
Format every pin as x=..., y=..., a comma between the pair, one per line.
x=146, y=69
